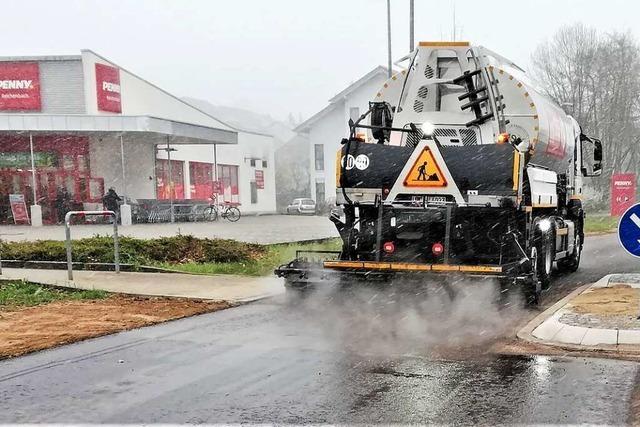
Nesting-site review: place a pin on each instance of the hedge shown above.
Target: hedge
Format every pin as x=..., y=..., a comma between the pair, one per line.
x=175, y=250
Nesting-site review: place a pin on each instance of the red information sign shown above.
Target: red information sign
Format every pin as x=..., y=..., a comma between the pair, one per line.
x=623, y=192
x=20, y=86
x=108, y=88
x=19, y=209
x=260, y=179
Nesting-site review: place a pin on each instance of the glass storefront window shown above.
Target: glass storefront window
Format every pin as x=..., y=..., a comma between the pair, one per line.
x=201, y=177
x=82, y=162
x=67, y=162
x=61, y=161
x=228, y=175
x=163, y=183
x=96, y=188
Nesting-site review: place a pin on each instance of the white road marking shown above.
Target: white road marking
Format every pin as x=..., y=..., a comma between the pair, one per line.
x=636, y=221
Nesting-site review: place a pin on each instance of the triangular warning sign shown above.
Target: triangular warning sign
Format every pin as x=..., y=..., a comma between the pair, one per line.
x=425, y=172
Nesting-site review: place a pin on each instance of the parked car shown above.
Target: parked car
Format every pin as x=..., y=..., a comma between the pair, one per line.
x=302, y=206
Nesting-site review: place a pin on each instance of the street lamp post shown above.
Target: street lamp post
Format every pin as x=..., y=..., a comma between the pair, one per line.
x=411, y=32
x=35, y=209
x=389, y=37
x=168, y=150
x=215, y=174
x=125, y=208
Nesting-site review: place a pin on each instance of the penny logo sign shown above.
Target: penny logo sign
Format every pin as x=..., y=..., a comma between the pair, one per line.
x=20, y=86
x=108, y=88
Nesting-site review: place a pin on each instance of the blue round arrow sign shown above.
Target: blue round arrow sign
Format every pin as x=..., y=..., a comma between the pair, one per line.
x=629, y=230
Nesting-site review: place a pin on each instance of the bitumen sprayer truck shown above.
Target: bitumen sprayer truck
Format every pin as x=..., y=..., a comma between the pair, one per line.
x=459, y=167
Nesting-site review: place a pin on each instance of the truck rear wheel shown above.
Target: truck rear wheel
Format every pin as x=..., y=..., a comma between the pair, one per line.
x=545, y=249
x=296, y=288
x=532, y=287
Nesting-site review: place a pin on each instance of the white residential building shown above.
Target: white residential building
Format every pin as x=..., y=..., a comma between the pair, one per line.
x=325, y=129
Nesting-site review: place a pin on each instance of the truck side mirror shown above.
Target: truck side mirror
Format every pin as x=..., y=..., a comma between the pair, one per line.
x=597, y=157
x=591, y=156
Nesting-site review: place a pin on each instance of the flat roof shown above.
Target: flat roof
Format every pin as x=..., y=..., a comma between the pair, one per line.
x=178, y=132
x=41, y=58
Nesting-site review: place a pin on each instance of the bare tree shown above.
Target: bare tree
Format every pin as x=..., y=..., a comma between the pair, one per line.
x=596, y=78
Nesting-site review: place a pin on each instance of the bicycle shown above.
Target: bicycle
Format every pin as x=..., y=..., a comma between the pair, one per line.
x=228, y=211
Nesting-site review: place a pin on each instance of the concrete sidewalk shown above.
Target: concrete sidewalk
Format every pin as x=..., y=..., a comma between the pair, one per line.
x=265, y=229
x=589, y=319
x=218, y=287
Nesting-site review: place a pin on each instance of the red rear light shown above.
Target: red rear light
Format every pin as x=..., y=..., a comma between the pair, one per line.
x=437, y=248
x=389, y=247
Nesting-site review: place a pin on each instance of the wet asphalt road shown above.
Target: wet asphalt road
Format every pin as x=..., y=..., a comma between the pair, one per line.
x=368, y=357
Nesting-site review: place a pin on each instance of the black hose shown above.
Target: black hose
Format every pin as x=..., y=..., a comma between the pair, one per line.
x=343, y=171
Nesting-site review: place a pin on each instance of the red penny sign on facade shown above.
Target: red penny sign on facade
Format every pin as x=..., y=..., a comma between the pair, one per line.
x=20, y=86
x=260, y=179
x=623, y=192
x=108, y=88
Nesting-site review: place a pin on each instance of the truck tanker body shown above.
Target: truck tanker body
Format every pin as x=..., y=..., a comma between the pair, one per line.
x=460, y=166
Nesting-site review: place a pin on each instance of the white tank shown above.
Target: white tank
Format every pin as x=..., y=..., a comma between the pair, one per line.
x=424, y=92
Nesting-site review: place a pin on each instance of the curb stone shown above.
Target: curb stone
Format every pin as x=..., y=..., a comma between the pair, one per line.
x=526, y=333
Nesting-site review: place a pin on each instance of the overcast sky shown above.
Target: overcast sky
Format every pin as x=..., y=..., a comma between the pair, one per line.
x=281, y=56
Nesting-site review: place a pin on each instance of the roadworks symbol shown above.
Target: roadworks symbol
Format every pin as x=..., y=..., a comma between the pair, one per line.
x=425, y=172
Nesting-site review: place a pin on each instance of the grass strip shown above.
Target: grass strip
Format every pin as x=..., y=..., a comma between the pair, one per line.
x=17, y=294
x=600, y=223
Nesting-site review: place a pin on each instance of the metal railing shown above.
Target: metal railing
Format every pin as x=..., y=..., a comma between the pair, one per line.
x=67, y=230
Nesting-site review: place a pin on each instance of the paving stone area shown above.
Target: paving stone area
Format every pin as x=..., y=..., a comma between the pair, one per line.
x=630, y=279
x=603, y=322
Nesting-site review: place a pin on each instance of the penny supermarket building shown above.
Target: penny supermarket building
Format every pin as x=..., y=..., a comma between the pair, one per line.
x=85, y=124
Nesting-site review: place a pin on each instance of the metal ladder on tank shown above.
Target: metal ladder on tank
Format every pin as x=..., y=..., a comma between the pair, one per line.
x=478, y=97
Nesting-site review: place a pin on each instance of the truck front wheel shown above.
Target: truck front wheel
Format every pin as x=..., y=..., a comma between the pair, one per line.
x=532, y=286
x=572, y=262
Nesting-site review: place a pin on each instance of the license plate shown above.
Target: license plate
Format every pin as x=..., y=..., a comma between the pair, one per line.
x=436, y=200
x=417, y=201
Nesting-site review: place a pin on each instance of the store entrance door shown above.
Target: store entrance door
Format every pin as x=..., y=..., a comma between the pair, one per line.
x=80, y=189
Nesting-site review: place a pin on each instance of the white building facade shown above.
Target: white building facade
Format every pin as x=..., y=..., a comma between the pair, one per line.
x=247, y=171
x=82, y=124
x=325, y=130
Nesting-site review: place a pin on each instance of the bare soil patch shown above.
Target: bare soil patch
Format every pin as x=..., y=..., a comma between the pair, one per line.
x=614, y=307
x=36, y=328
x=616, y=300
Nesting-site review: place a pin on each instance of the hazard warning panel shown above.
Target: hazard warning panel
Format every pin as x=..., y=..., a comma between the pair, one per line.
x=425, y=172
